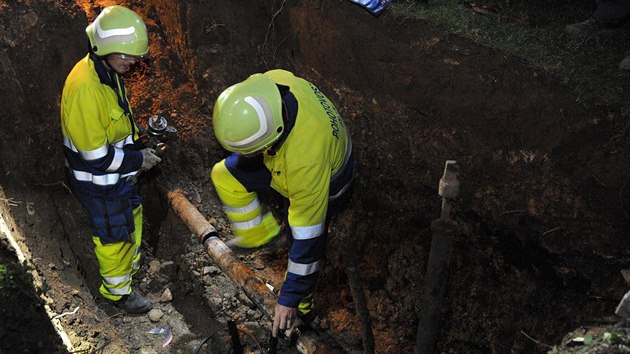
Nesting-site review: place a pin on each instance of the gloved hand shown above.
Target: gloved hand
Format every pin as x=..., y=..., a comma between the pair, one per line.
x=149, y=159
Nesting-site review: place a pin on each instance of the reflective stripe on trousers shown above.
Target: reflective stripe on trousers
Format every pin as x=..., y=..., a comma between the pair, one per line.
x=250, y=226
x=119, y=261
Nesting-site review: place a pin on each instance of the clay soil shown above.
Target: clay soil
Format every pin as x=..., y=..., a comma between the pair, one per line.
x=543, y=204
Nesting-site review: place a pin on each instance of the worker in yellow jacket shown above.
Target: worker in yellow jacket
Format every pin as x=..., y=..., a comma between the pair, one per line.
x=102, y=150
x=285, y=136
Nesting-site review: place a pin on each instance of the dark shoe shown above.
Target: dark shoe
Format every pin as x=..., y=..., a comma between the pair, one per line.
x=133, y=303
x=582, y=29
x=303, y=324
x=623, y=309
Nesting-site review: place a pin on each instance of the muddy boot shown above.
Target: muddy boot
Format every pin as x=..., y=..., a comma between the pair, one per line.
x=133, y=303
x=623, y=309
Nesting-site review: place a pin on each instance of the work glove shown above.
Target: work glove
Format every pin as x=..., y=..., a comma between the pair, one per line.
x=149, y=159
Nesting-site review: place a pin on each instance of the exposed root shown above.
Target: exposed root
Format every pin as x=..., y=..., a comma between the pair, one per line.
x=536, y=341
x=10, y=201
x=272, y=24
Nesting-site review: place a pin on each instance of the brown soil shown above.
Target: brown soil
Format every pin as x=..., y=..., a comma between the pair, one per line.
x=543, y=226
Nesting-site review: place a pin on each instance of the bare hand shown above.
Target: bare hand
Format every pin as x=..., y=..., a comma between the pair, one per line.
x=283, y=319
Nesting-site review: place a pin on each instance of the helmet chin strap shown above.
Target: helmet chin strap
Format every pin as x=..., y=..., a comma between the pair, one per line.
x=96, y=57
x=106, y=63
x=289, y=114
x=111, y=78
x=103, y=60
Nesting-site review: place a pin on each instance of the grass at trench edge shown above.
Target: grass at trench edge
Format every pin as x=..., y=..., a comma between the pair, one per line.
x=534, y=32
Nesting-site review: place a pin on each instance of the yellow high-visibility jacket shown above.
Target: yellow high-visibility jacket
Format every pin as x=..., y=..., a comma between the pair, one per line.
x=100, y=147
x=97, y=132
x=314, y=150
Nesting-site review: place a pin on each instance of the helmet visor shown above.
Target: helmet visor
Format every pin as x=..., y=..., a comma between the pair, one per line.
x=128, y=57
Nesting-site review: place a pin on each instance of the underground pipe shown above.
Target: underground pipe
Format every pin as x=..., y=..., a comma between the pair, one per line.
x=254, y=287
x=242, y=275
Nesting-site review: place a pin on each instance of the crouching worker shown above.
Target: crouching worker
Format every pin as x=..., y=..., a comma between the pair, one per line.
x=102, y=150
x=285, y=136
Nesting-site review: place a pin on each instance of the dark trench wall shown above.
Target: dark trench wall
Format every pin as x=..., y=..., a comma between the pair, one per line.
x=34, y=64
x=437, y=97
x=442, y=81
x=522, y=139
x=542, y=177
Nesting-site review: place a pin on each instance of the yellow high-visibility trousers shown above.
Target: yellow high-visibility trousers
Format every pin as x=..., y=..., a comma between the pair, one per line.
x=119, y=261
x=250, y=226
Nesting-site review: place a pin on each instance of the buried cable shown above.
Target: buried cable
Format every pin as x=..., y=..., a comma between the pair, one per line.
x=207, y=339
x=273, y=345
x=237, y=347
x=354, y=282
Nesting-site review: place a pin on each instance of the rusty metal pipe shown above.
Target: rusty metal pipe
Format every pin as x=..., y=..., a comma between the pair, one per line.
x=436, y=278
x=254, y=287
x=242, y=275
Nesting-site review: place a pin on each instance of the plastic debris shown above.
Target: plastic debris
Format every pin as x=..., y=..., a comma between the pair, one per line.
x=67, y=313
x=270, y=287
x=374, y=6
x=167, y=335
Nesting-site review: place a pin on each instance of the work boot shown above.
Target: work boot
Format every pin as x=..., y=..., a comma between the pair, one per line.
x=133, y=303
x=582, y=29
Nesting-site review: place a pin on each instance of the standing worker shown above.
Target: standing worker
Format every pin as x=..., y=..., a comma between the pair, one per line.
x=102, y=150
x=284, y=135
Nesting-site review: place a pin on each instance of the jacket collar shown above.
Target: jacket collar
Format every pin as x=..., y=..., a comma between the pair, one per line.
x=289, y=115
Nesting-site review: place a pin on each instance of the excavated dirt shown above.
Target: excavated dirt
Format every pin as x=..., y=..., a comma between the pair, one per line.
x=543, y=237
